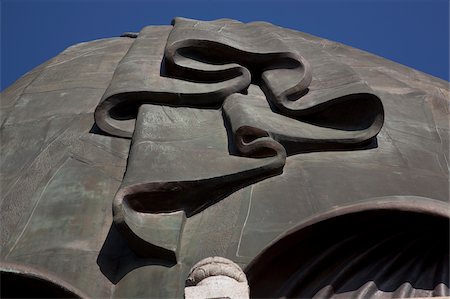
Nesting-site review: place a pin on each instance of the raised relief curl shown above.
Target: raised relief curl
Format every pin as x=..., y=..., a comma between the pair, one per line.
x=218, y=108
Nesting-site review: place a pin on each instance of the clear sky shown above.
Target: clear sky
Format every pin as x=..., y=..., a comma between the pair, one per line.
x=411, y=32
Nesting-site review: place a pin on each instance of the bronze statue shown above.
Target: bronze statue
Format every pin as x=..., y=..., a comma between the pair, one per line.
x=319, y=169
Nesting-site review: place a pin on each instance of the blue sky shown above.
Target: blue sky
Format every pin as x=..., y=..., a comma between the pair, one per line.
x=411, y=32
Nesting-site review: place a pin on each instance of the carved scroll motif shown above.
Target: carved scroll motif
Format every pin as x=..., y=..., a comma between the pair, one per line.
x=219, y=107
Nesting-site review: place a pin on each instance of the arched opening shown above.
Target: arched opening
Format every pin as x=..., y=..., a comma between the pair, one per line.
x=382, y=253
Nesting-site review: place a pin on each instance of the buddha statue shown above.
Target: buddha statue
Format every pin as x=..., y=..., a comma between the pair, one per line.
x=209, y=158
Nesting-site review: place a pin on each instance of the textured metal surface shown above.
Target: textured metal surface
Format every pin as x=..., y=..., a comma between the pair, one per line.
x=198, y=188
x=199, y=68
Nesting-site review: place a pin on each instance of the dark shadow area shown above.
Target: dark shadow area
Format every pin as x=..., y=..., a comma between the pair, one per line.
x=96, y=130
x=294, y=148
x=21, y=285
x=116, y=259
x=396, y=252
x=232, y=149
x=353, y=112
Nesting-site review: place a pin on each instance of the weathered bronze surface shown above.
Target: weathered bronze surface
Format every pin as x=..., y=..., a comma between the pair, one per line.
x=320, y=169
